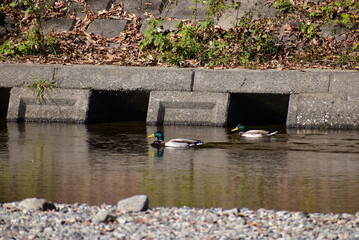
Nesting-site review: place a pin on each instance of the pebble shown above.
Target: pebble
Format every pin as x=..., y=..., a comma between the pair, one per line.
x=81, y=221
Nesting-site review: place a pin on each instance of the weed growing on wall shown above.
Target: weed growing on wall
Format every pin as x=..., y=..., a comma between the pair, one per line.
x=40, y=88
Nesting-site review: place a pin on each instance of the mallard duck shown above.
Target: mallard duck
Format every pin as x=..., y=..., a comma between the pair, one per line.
x=176, y=142
x=252, y=133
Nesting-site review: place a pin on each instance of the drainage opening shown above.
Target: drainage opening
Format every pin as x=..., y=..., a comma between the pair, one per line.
x=258, y=109
x=115, y=106
x=4, y=102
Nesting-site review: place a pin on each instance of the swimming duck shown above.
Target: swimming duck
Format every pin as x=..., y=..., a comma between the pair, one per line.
x=252, y=133
x=176, y=142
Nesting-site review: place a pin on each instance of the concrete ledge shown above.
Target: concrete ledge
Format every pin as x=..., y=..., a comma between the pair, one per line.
x=345, y=84
x=16, y=75
x=188, y=108
x=64, y=105
x=107, y=28
x=99, y=77
x=259, y=81
x=125, y=78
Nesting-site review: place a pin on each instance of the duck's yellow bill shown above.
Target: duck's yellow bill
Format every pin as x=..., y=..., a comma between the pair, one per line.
x=234, y=129
x=152, y=135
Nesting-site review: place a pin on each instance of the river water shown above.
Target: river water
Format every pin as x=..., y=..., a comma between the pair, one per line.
x=302, y=170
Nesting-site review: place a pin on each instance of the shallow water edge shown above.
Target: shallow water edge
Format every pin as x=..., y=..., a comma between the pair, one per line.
x=304, y=170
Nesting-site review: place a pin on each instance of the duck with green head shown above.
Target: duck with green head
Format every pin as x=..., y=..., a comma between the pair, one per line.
x=252, y=133
x=176, y=142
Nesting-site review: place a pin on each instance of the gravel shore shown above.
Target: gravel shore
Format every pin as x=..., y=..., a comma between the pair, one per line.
x=81, y=221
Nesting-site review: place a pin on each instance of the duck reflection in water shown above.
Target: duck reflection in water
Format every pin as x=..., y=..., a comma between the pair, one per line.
x=158, y=153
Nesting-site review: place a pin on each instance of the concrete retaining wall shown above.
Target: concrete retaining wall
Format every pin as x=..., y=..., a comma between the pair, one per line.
x=188, y=108
x=65, y=105
x=317, y=98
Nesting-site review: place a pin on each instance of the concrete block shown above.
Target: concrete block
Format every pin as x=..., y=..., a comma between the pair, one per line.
x=107, y=28
x=258, y=81
x=230, y=18
x=322, y=111
x=57, y=25
x=99, y=77
x=246, y=4
x=184, y=9
x=344, y=113
x=140, y=7
x=264, y=10
x=17, y=74
x=308, y=110
x=192, y=108
x=345, y=84
x=63, y=105
x=96, y=5
x=124, y=78
x=336, y=31
x=77, y=9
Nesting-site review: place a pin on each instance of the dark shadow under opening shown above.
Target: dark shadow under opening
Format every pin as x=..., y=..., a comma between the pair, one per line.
x=258, y=109
x=4, y=102
x=116, y=106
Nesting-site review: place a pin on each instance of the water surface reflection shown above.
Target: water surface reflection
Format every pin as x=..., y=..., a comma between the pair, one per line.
x=295, y=170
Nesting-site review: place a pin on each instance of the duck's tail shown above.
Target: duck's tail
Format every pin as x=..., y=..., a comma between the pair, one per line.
x=272, y=133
